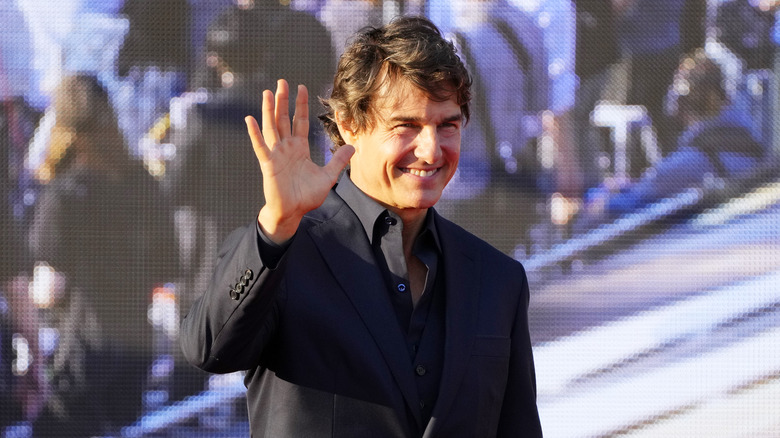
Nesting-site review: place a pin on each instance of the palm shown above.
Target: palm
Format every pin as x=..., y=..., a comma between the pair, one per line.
x=292, y=183
x=292, y=179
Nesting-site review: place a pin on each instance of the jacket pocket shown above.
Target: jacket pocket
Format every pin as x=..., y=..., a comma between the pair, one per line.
x=488, y=374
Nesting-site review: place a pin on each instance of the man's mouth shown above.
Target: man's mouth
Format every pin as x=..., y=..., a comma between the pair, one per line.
x=419, y=172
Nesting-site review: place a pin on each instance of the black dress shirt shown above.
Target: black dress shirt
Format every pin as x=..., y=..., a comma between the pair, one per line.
x=422, y=324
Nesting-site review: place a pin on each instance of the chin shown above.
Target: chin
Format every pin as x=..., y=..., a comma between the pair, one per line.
x=426, y=201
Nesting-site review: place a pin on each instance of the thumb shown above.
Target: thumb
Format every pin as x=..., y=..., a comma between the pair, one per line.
x=339, y=161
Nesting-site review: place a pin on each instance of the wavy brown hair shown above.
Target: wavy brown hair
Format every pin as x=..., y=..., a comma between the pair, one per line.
x=409, y=48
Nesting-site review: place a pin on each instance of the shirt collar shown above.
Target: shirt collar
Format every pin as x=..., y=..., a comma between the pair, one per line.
x=369, y=211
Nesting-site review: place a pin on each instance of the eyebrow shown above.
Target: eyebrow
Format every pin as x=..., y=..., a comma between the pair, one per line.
x=453, y=118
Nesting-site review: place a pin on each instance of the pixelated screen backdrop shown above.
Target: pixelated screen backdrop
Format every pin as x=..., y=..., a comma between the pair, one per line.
x=624, y=150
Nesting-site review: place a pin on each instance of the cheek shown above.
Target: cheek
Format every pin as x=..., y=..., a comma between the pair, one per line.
x=451, y=150
x=396, y=154
x=365, y=153
x=451, y=157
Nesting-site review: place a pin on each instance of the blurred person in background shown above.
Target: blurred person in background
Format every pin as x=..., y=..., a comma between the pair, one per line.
x=596, y=52
x=153, y=65
x=158, y=36
x=18, y=118
x=247, y=46
x=13, y=114
x=246, y=35
x=653, y=34
x=715, y=146
x=745, y=27
x=101, y=235
x=505, y=53
x=498, y=170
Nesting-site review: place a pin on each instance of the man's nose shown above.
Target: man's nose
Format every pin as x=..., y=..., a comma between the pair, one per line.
x=428, y=146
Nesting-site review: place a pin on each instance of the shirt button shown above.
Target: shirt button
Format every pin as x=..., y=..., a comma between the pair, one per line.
x=401, y=287
x=390, y=220
x=420, y=370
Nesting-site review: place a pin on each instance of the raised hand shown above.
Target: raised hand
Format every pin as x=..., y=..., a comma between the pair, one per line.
x=292, y=183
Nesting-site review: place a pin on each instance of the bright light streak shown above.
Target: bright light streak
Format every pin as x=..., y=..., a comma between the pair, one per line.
x=750, y=203
x=642, y=398
x=561, y=362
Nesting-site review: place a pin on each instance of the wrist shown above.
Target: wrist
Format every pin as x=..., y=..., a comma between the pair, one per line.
x=277, y=228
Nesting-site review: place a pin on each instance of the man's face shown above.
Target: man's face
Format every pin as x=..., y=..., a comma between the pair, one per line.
x=411, y=153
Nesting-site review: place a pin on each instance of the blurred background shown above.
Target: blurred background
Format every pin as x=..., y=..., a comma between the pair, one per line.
x=626, y=151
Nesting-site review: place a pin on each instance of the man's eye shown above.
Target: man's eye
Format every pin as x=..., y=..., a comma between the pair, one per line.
x=406, y=127
x=449, y=127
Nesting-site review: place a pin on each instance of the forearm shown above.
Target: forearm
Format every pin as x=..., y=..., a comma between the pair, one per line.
x=229, y=326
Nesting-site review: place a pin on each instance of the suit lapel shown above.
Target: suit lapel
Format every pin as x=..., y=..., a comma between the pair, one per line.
x=345, y=248
x=462, y=300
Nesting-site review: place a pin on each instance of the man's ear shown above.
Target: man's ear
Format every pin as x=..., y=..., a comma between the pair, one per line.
x=346, y=130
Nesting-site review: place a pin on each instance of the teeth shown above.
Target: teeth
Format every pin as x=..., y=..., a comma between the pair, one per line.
x=423, y=173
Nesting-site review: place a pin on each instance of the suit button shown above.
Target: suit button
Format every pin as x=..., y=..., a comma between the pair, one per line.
x=239, y=288
x=420, y=370
x=234, y=295
x=248, y=275
x=422, y=404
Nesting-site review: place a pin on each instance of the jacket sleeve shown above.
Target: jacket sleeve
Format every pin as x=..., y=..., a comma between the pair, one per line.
x=229, y=326
x=519, y=414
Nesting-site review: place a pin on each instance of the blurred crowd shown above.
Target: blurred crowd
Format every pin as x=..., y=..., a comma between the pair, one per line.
x=125, y=159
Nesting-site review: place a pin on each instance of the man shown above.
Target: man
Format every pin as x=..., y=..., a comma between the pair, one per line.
x=358, y=310
x=654, y=34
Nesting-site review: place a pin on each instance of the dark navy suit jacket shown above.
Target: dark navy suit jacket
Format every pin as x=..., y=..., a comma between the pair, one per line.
x=323, y=350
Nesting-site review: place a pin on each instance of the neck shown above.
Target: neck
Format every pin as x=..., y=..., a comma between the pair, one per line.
x=413, y=223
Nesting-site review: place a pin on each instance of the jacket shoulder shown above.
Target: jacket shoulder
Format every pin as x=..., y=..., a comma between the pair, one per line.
x=455, y=237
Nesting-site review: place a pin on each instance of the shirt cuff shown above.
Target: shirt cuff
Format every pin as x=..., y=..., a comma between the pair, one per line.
x=270, y=252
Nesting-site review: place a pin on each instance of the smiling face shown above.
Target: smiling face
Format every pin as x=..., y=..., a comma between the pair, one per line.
x=411, y=152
